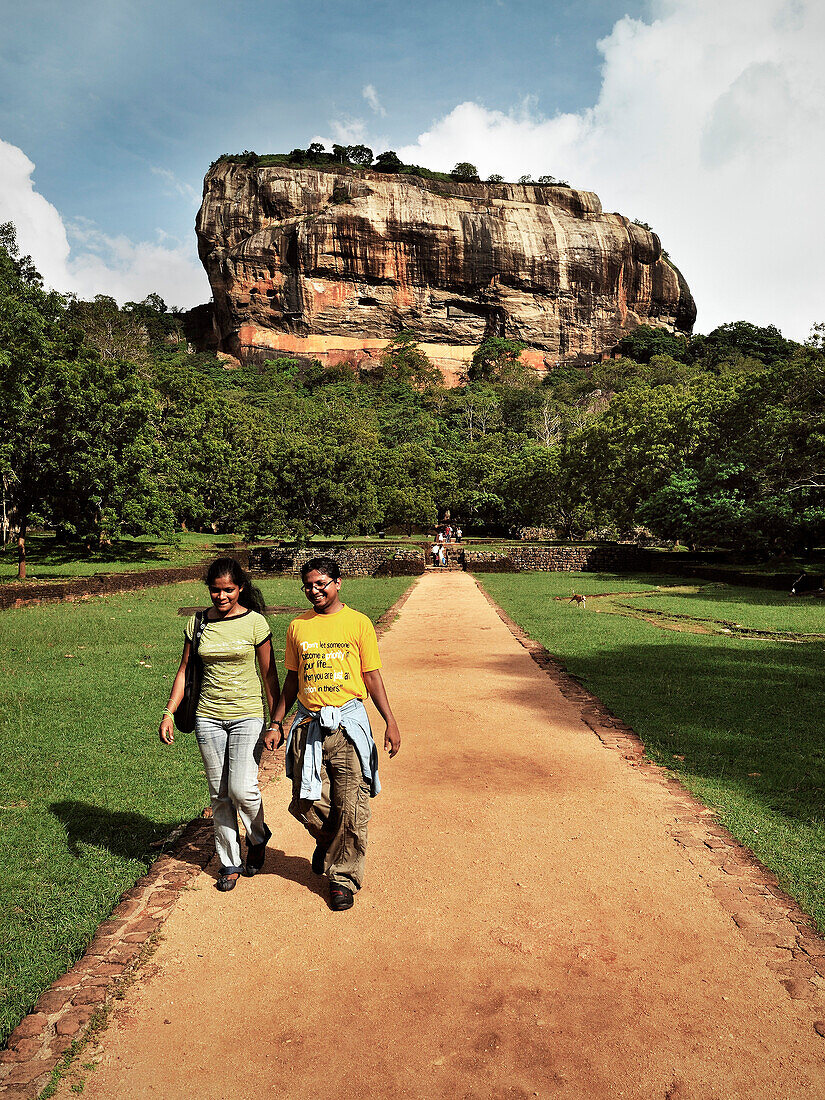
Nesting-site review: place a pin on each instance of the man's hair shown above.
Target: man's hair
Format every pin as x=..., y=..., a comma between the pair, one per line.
x=327, y=566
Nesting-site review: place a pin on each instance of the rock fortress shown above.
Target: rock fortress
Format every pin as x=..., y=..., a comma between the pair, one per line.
x=332, y=263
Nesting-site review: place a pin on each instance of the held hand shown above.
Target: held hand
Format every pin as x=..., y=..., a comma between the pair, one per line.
x=166, y=732
x=392, y=738
x=269, y=736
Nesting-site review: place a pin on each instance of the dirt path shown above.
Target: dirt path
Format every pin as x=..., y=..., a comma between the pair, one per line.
x=527, y=928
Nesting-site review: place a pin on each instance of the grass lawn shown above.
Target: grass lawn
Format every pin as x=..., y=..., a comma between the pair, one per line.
x=85, y=785
x=47, y=559
x=754, y=608
x=741, y=721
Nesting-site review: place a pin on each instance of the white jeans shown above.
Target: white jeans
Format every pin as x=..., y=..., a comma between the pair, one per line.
x=231, y=751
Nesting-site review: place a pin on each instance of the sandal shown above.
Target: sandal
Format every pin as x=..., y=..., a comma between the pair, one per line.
x=340, y=897
x=255, y=855
x=227, y=879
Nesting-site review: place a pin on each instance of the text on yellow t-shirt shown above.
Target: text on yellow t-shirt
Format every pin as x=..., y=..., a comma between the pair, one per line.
x=331, y=653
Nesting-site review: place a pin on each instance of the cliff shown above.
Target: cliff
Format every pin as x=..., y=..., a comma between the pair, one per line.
x=333, y=263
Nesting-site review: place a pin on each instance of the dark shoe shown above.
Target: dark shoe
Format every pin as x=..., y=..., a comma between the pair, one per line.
x=340, y=897
x=227, y=879
x=318, y=857
x=255, y=854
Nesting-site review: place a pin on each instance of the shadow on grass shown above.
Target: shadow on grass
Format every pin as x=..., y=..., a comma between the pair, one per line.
x=49, y=553
x=751, y=717
x=123, y=833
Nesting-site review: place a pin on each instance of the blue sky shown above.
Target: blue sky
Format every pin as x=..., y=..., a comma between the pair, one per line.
x=679, y=112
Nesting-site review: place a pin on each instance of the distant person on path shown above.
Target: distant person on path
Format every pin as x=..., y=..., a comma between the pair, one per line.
x=229, y=722
x=332, y=664
x=458, y=534
x=435, y=550
x=444, y=558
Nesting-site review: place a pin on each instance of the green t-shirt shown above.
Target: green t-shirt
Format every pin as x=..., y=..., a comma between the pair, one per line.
x=231, y=687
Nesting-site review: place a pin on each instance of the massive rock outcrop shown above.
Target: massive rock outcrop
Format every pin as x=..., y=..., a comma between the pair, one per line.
x=332, y=263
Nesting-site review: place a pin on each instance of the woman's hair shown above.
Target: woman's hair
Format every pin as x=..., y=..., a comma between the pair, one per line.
x=250, y=597
x=327, y=566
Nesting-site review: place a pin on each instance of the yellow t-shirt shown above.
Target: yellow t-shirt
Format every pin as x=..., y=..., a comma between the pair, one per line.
x=331, y=653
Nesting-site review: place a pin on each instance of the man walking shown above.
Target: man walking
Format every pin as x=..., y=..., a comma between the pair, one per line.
x=332, y=664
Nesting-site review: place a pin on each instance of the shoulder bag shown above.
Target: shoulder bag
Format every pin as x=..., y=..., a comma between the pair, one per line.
x=185, y=713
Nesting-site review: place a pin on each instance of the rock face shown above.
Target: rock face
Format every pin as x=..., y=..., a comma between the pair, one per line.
x=331, y=264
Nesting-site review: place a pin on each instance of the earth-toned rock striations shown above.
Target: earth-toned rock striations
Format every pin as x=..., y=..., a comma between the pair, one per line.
x=333, y=263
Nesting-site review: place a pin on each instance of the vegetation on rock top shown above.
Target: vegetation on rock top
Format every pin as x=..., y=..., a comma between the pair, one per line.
x=360, y=157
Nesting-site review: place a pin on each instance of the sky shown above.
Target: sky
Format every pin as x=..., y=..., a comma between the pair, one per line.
x=703, y=118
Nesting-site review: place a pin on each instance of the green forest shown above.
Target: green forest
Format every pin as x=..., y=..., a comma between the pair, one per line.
x=111, y=426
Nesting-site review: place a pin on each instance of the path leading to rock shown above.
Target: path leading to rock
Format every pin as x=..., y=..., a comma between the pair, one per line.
x=527, y=928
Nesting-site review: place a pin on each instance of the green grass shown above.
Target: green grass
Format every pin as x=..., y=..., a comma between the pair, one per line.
x=755, y=608
x=739, y=720
x=47, y=559
x=85, y=785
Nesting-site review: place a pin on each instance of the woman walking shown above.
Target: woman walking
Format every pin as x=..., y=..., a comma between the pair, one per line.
x=229, y=719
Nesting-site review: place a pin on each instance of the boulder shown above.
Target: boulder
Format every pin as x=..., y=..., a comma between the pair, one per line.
x=332, y=263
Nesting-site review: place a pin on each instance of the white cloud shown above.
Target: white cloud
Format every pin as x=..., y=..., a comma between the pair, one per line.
x=708, y=126
x=348, y=131
x=40, y=229
x=371, y=96
x=353, y=131
x=86, y=261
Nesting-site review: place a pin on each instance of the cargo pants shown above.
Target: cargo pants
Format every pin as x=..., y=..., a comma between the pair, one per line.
x=338, y=819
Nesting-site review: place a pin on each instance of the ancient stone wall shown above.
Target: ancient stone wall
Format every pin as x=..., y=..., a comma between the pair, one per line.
x=608, y=558
x=353, y=561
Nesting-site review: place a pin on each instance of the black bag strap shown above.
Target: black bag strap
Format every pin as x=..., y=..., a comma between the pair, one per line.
x=197, y=632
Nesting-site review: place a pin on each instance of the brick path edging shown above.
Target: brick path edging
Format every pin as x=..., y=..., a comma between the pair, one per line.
x=66, y=1012
x=767, y=917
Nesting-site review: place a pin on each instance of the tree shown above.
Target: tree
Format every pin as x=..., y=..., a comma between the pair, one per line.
x=547, y=180
x=388, y=162
x=315, y=150
x=113, y=333
x=647, y=340
x=408, y=486
x=495, y=178
x=465, y=172
x=540, y=492
x=30, y=340
x=105, y=468
x=361, y=155
x=743, y=340
x=643, y=437
x=480, y=406
x=341, y=153
x=403, y=361
x=526, y=178
x=497, y=359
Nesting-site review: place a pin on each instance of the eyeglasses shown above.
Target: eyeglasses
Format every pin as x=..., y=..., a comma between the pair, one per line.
x=316, y=587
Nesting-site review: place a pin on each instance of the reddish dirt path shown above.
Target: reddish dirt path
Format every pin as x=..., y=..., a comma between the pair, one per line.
x=527, y=928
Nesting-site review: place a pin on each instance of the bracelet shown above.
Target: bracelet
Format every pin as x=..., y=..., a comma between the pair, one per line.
x=168, y=712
